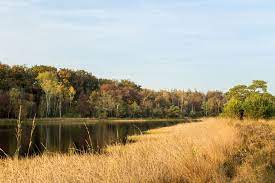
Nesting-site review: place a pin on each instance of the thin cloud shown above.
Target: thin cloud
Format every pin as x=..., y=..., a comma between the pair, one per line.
x=99, y=13
x=17, y=3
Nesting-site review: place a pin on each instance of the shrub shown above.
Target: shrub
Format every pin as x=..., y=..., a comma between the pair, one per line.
x=259, y=106
x=232, y=108
x=252, y=161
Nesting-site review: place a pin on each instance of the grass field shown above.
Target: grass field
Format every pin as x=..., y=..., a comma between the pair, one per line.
x=213, y=150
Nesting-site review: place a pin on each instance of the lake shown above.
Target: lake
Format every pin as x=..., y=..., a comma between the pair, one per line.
x=71, y=136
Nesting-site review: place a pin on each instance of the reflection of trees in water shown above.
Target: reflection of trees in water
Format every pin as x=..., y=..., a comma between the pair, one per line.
x=7, y=140
x=61, y=138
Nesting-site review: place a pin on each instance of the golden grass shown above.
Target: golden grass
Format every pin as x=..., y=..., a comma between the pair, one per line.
x=193, y=152
x=254, y=160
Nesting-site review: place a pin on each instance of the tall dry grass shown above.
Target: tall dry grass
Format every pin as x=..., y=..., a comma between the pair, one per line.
x=193, y=152
x=254, y=159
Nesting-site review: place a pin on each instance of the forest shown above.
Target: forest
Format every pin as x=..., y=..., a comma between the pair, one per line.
x=46, y=91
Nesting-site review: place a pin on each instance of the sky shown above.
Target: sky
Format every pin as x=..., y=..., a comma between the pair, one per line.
x=159, y=44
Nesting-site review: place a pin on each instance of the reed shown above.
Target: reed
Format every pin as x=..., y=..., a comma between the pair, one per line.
x=32, y=131
x=5, y=154
x=18, y=133
x=90, y=143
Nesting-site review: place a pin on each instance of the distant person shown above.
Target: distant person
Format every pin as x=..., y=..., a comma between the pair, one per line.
x=241, y=114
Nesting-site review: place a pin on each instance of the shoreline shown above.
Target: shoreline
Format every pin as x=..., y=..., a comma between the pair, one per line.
x=94, y=120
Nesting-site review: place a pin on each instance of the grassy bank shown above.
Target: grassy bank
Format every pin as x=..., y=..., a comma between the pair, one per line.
x=94, y=120
x=214, y=150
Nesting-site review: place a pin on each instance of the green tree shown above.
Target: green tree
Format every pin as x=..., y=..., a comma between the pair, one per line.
x=4, y=105
x=15, y=101
x=50, y=92
x=83, y=82
x=239, y=92
x=71, y=93
x=5, y=77
x=205, y=107
x=60, y=91
x=214, y=103
x=233, y=107
x=49, y=84
x=258, y=86
x=259, y=106
x=135, y=109
x=254, y=100
x=174, y=112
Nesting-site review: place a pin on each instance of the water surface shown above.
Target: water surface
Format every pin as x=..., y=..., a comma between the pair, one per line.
x=71, y=136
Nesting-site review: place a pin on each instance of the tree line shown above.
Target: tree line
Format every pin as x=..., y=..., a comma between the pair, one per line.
x=50, y=92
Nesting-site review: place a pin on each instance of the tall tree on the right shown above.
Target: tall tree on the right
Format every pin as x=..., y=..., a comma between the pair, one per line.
x=253, y=100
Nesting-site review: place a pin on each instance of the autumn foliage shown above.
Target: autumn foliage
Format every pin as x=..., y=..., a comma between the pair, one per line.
x=51, y=92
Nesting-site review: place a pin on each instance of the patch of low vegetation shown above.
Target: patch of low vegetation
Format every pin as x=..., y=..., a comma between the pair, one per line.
x=214, y=150
x=252, y=159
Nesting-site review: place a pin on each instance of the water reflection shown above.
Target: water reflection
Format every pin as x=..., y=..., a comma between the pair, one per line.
x=64, y=138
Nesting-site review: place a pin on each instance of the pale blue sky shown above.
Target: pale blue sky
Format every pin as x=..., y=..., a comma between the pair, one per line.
x=160, y=44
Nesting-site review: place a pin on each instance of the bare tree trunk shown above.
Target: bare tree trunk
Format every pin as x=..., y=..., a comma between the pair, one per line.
x=60, y=108
x=9, y=112
x=117, y=107
x=48, y=100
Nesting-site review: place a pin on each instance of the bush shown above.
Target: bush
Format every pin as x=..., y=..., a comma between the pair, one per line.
x=259, y=106
x=252, y=161
x=174, y=112
x=232, y=108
